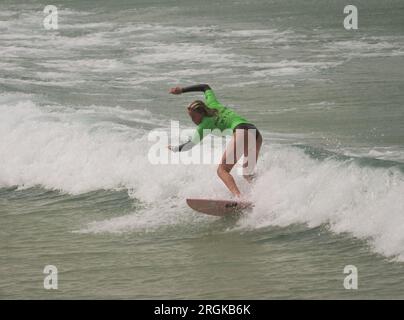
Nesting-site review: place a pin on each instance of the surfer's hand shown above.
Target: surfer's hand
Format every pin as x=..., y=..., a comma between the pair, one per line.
x=173, y=148
x=176, y=90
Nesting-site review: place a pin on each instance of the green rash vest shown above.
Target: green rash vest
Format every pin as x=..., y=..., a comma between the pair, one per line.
x=226, y=119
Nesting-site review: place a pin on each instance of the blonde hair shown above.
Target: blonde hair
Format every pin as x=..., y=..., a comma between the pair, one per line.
x=200, y=107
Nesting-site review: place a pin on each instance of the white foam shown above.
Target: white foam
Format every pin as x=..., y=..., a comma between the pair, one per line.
x=289, y=67
x=392, y=153
x=150, y=219
x=182, y=53
x=366, y=202
x=55, y=149
x=85, y=65
x=60, y=150
x=368, y=47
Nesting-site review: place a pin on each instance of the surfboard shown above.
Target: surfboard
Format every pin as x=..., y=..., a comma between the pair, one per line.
x=218, y=207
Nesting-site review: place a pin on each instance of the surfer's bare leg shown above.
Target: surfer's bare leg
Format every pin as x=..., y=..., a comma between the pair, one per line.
x=224, y=173
x=251, y=149
x=229, y=159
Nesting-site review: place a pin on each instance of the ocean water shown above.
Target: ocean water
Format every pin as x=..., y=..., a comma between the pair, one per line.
x=77, y=189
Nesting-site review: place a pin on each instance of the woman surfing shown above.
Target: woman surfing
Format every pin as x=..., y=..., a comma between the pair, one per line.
x=209, y=115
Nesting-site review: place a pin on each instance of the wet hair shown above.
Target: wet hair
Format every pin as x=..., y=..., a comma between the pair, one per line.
x=200, y=107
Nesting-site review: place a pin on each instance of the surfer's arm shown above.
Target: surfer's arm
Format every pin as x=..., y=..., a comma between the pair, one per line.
x=196, y=87
x=210, y=98
x=183, y=147
x=196, y=139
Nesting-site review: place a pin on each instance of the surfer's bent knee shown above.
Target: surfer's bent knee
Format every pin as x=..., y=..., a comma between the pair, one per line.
x=224, y=167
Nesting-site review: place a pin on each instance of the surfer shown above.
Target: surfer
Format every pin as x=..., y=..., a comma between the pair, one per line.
x=210, y=115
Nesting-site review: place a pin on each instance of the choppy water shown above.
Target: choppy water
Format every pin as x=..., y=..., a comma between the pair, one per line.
x=77, y=189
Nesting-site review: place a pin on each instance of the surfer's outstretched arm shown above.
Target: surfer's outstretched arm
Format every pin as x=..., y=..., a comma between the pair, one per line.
x=196, y=87
x=182, y=147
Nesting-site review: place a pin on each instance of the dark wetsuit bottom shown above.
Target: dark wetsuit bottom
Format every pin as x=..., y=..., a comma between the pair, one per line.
x=248, y=126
